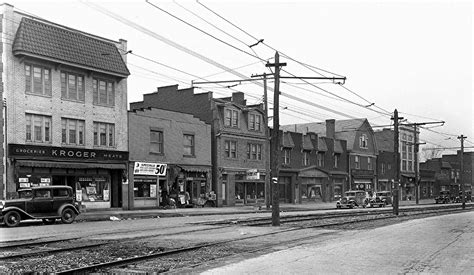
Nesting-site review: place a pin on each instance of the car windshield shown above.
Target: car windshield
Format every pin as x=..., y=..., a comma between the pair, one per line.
x=381, y=194
x=350, y=194
x=25, y=194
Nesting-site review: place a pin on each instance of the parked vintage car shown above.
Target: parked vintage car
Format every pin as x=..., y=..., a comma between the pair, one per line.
x=47, y=203
x=444, y=197
x=374, y=202
x=467, y=197
x=352, y=199
x=385, y=196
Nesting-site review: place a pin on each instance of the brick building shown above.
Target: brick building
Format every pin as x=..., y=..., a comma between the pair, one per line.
x=66, y=98
x=239, y=147
x=179, y=140
x=386, y=167
x=312, y=168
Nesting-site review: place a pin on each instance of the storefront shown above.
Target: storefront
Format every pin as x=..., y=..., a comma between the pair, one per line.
x=162, y=185
x=363, y=180
x=250, y=187
x=312, y=185
x=95, y=175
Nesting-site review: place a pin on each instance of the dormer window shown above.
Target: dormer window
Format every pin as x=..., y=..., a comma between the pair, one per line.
x=255, y=122
x=231, y=118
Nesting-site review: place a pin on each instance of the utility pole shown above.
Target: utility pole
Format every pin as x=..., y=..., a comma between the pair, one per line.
x=463, y=199
x=396, y=142
x=275, y=142
x=268, y=185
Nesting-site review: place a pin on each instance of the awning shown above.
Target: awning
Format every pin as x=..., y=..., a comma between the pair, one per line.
x=68, y=164
x=195, y=168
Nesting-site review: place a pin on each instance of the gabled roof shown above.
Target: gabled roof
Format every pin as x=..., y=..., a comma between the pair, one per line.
x=62, y=45
x=341, y=126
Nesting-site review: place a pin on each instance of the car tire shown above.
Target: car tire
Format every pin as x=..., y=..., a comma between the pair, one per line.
x=351, y=205
x=68, y=216
x=49, y=221
x=12, y=218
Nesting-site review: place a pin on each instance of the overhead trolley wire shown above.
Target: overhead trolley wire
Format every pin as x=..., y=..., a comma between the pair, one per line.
x=206, y=33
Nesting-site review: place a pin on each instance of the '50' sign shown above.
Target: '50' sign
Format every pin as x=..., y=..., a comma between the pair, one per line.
x=160, y=169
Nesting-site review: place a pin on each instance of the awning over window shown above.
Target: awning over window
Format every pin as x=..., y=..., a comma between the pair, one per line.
x=67, y=164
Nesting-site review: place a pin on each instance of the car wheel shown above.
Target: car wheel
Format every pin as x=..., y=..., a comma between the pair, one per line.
x=351, y=205
x=49, y=221
x=12, y=219
x=68, y=215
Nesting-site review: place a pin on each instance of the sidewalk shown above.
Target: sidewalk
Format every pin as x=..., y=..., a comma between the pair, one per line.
x=120, y=214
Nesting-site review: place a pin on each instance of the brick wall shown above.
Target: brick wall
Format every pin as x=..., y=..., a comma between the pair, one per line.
x=19, y=102
x=174, y=125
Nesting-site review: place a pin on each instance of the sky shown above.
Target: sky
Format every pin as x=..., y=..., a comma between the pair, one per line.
x=413, y=56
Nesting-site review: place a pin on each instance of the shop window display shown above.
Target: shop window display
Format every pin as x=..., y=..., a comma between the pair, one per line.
x=91, y=189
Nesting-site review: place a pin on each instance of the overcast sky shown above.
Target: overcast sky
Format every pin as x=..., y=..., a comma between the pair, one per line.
x=414, y=56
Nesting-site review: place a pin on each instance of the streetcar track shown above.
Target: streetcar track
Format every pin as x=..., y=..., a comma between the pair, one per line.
x=196, y=247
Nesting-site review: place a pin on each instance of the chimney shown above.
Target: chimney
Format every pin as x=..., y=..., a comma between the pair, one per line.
x=239, y=98
x=331, y=128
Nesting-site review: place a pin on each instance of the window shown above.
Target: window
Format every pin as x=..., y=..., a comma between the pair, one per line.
x=231, y=118
x=255, y=122
x=156, y=141
x=410, y=166
x=59, y=192
x=38, y=128
x=363, y=141
x=404, y=165
x=305, y=158
x=404, y=150
x=188, y=143
x=336, y=160
x=382, y=166
x=72, y=86
x=103, y=92
x=286, y=156
x=72, y=131
x=254, y=151
x=356, y=162
x=389, y=166
x=37, y=80
x=104, y=134
x=369, y=163
x=230, y=149
x=320, y=159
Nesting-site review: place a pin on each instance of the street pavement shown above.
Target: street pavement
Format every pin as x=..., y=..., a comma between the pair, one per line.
x=437, y=245
x=120, y=214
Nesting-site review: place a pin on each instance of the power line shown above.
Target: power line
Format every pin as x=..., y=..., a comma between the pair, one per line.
x=206, y=33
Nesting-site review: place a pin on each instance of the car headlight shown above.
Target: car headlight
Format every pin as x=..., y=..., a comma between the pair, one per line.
x=2, y=203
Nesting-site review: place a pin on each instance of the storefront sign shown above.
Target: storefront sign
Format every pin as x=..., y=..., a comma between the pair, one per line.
x=148, y=168
x=253, y=174
x=45, y=180
x=23, y=180
x=24, y=184
x=50, y=152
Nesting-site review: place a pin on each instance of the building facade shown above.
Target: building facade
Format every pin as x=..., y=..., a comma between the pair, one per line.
x=239, y=147
x=179, y=141
x=312, y=168
x=66, y=101
x=361, y=148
